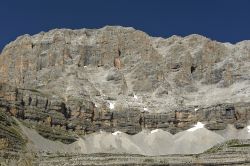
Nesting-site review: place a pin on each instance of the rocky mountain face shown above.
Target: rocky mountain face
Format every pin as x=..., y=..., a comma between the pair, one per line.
x=65, y=83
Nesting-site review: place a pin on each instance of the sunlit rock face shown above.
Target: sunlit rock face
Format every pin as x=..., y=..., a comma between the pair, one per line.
x=121, y=79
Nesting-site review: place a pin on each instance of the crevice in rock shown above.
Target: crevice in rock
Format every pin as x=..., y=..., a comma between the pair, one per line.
x=23, y=80
x=8, y=109
x=176, y=67
x=32, y=45
x=36, y=103
x=30, y=100
x=22, y=103
x=140, y=121
x=229, y=111
x=21, y=114
x=112, y=120
x=65, y=111
x=92, y=116
x=16, y=94
x=192, y=69
x=46, y=104
x=119, y=52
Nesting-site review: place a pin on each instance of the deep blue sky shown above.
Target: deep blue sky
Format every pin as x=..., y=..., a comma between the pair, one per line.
x=222, y=20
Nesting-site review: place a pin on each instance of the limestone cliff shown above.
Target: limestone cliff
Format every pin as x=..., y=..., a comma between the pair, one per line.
x=118, y=78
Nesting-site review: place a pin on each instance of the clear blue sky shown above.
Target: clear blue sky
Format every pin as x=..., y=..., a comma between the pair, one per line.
x=222, y=20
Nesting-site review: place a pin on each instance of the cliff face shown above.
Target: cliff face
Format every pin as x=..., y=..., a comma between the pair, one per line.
x=117, y=78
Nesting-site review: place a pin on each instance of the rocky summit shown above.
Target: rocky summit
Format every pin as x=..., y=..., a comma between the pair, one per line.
x=63, y=86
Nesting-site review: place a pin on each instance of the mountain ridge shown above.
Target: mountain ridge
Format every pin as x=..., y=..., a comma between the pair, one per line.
x=127, y=27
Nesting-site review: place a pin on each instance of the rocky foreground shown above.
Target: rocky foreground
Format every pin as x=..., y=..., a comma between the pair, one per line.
x=64, y=84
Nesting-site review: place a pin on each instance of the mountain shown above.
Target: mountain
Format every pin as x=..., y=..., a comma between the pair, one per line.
x=67, y=83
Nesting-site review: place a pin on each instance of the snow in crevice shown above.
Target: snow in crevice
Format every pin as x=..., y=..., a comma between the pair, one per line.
x=198, y=125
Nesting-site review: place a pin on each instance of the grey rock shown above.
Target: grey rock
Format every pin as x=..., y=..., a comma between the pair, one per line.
x=68, y=78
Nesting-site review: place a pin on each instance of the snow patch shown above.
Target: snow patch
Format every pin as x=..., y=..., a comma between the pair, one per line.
x=135, y=97
x=111, y=105
x=116, y=133
x=154, y=131
x=145, y=109
x=198, y=125
x=248, y=129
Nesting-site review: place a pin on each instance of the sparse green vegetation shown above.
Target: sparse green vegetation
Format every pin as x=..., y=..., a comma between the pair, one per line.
x=56, y=134
x=214, y=149
x=240, y=145
x=232, y=142
x=11, y=132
